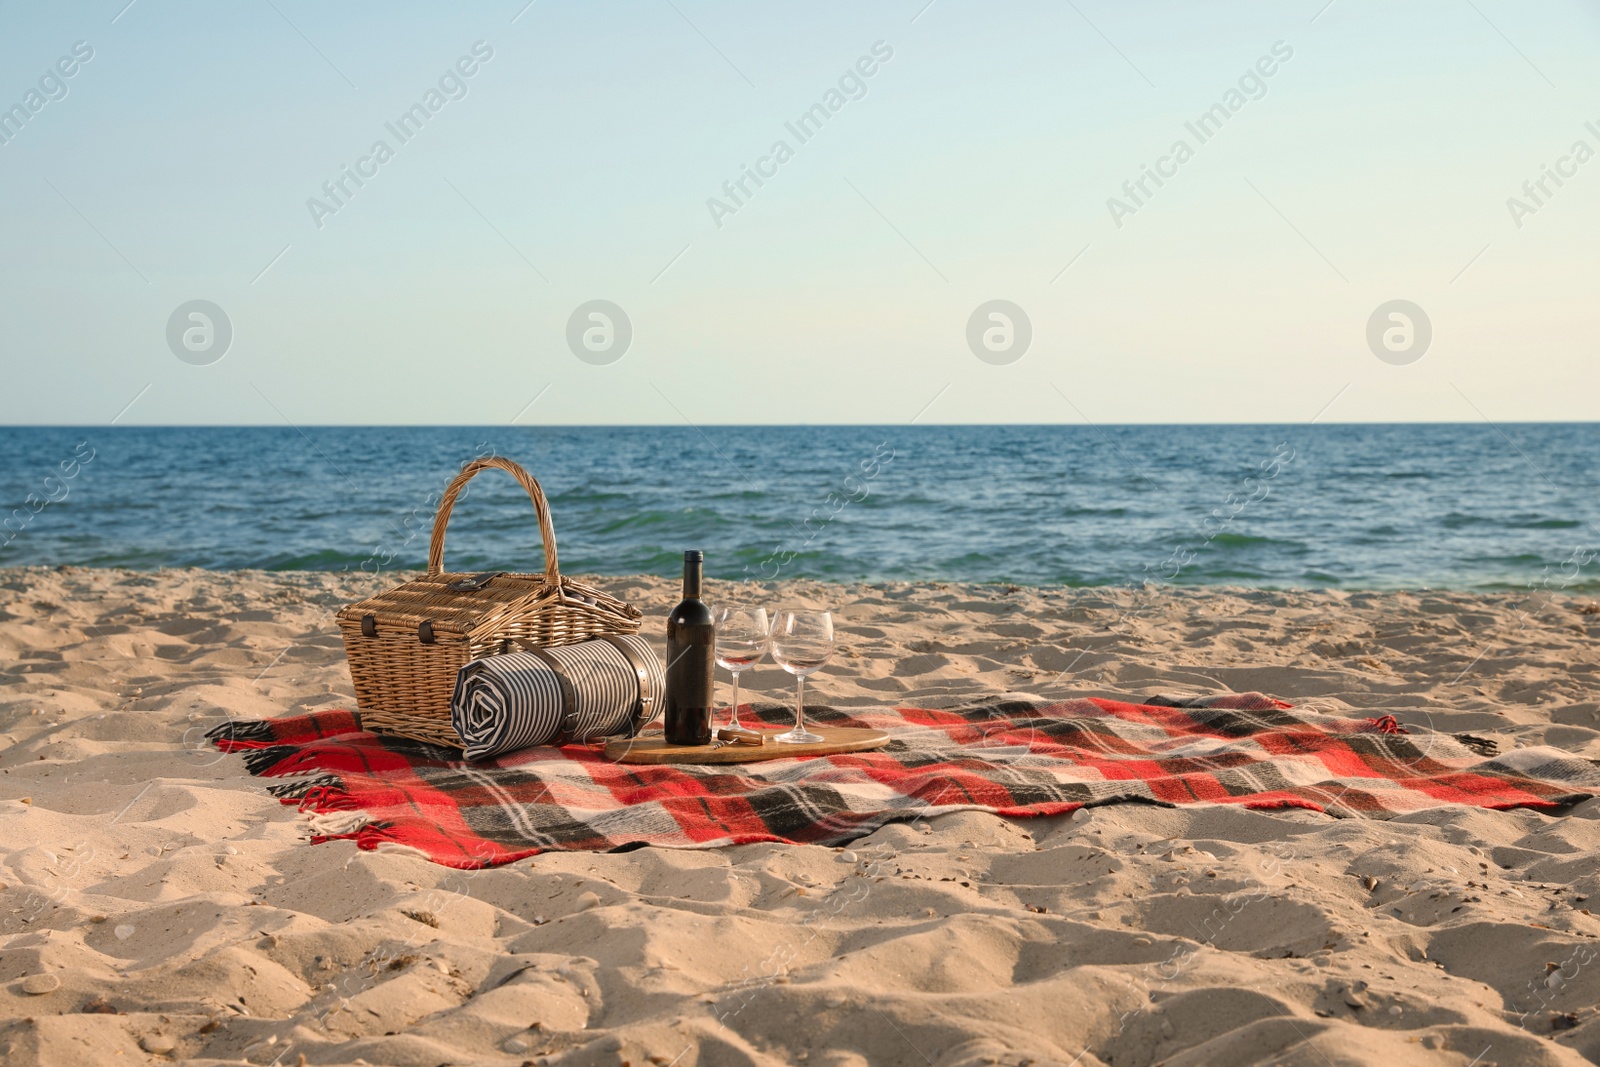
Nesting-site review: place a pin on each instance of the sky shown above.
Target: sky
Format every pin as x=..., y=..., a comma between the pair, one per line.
x=959, y=154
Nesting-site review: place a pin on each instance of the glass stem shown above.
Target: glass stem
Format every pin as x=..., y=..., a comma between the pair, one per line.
x=799, y=703
x=733, y=721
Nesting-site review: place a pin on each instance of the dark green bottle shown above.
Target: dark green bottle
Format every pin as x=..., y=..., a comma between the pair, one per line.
x=691, y=647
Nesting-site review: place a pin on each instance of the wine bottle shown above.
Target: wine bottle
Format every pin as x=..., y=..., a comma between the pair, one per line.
x=691, y=644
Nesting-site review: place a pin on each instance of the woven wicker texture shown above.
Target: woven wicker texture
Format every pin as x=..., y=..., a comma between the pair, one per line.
x=407, y=645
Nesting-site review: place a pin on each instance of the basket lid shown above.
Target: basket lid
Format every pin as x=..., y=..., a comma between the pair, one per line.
x=448, y=602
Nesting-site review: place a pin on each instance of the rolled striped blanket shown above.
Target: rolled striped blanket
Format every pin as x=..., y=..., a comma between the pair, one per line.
x=554, y=695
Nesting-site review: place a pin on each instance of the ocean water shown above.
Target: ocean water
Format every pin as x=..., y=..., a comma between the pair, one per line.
x=1440, y=506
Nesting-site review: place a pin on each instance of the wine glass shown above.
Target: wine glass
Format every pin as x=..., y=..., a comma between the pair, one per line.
x=802, y=644
x=741, y=642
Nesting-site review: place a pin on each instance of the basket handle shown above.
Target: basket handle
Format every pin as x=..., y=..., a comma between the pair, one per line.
x=541, y=508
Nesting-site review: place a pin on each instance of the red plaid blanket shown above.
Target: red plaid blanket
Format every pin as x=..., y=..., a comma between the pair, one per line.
x=1010, y=757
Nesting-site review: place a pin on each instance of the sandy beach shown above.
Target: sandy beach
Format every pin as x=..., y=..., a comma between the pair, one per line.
x=158, y=905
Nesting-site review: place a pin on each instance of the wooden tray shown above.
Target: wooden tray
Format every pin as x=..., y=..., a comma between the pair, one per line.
x=653, y=748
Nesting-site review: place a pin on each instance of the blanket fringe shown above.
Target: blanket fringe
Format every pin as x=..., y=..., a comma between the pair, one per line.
x=334, y=824
x=260, y=761
x=380, y=836
x=1385, y=724
x=1483, y=746
x=327, y=796
x=249, y=731
x=298, y=789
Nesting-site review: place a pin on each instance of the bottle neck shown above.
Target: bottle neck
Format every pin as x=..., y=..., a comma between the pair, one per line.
x=692, y=571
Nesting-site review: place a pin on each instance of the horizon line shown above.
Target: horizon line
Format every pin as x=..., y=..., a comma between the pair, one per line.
x=757, y=425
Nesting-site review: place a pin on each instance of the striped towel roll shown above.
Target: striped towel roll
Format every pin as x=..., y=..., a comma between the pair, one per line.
x=569, y=693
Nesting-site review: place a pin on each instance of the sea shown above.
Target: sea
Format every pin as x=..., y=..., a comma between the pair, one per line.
x=1464, y=507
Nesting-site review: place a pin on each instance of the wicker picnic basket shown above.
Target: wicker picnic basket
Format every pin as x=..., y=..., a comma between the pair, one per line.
x=407, y=645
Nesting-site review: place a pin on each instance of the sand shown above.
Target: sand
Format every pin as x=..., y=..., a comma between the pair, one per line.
x=158, y=905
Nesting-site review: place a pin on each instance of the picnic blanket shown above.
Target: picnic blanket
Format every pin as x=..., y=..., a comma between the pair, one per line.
x=1008, y=756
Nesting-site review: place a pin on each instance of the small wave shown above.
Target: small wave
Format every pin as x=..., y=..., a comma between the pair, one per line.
x=1215, y=575
x=1534, y=564
x=1537, y=587
x=690, y=518
x=580, y=497
x=1248, y=541
x=1457, y=521
x=333, y=560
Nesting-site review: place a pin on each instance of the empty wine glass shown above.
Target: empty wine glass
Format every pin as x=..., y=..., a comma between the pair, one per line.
x=741, y=642
x=802, y=644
